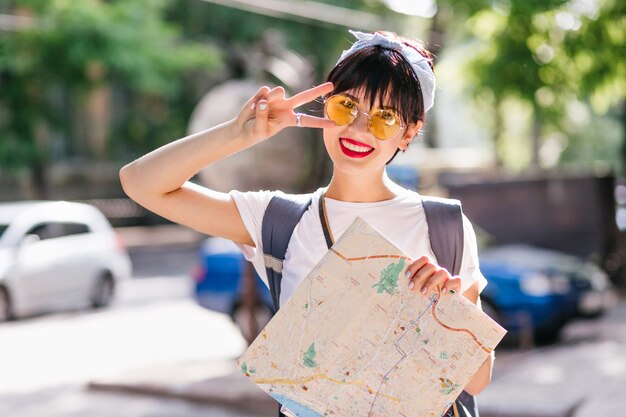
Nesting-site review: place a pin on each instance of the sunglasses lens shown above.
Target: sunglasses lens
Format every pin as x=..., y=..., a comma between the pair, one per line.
x=341, y=110
x=384, y=124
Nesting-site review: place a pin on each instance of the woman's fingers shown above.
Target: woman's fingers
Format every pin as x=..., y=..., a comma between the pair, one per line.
x=310, y=94
x=453, y=284
x=248, y=111
x=251, y=104
x=415, y=266
x=435, y=280
x=260, y=127
x=424, y=276
x=272, y=112
x=276, y=93
x=315, y=122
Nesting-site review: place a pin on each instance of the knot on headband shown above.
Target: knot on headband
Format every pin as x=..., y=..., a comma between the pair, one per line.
x=418, y=62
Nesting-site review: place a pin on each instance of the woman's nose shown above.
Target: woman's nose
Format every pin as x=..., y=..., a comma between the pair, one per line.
x=360, y=124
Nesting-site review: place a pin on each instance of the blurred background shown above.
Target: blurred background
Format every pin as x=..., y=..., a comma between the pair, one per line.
x=107, y=309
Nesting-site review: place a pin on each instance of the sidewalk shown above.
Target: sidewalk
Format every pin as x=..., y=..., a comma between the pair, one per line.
x=582, y=377
x=158, y=236
x=215, y=383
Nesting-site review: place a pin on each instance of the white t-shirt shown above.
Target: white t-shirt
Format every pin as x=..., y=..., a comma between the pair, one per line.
x=401, y=220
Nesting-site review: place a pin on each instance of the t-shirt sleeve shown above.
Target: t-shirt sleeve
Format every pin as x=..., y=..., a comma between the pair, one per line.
x=470, y=267
x=252, y=206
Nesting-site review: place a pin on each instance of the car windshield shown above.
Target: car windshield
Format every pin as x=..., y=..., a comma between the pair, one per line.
x=3, y=227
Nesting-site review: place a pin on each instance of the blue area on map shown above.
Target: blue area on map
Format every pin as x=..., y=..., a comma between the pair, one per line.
x=296, y=408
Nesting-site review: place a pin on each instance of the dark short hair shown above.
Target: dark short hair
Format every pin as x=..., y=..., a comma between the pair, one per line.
x=378, y=73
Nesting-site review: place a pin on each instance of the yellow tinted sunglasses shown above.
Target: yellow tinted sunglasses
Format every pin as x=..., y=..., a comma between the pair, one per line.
x=384, y=124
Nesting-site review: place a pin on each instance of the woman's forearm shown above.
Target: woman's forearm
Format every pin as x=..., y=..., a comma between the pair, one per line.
x=167, y=168
x=482, y=377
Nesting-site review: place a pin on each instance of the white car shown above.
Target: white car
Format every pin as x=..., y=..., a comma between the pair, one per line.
x=57, y=256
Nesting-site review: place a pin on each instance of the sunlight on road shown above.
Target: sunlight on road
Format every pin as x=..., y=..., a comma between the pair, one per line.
x=47, y=352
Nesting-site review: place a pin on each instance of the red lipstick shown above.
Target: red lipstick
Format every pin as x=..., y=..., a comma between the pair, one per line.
x=353, y=153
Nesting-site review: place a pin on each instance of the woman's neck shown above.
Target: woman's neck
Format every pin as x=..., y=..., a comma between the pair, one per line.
x=360, y=189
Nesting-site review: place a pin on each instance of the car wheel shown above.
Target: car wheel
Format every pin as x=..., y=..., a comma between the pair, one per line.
x=103, y=292
x=262, y=315
x=5, y=305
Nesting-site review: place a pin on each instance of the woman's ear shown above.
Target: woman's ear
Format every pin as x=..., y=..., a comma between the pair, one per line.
x=409, y=134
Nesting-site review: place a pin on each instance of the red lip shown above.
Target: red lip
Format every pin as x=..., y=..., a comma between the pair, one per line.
x=356, y=142
x=354, y=154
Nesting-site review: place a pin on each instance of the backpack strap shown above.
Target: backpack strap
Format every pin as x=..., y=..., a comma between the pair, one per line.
x=445, y=229
x=280, y=219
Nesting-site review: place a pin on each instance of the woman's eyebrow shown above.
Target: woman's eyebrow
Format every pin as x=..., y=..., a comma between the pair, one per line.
x=390, y=107
x=352, y=97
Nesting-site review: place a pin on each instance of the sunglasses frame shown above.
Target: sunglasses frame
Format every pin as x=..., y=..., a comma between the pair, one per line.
x=369, y=115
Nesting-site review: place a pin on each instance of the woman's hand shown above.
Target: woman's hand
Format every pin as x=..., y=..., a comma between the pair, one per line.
x=424, y=276
x=268, y=112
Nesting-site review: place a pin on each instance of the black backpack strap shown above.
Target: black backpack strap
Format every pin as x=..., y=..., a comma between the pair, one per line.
x=445, y=230
x=280, y=219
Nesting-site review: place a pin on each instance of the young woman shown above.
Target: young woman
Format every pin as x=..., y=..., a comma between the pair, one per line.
x=376, y=98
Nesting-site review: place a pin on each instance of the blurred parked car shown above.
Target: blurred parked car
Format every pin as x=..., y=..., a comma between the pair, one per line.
x=57, y=256
x=220, y=285
x=541, y=289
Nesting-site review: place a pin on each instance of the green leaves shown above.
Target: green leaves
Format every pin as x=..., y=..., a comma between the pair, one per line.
x=550, y=55
x=49, y=69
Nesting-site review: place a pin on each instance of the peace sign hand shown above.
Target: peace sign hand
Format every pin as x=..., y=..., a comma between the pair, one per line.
x=268, y=112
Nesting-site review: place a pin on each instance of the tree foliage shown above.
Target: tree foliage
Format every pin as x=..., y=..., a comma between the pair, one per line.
x=552, y=54
x=73, y=47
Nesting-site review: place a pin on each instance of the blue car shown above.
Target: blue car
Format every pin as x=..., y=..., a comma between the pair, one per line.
x=539, y=291
x=220, y=285
x=532, y=292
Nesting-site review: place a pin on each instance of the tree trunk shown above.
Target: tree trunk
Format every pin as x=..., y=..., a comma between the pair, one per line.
x=497, y=135
x=536, y=136
x=435, y=38
x=623, y=167
x=39, y=179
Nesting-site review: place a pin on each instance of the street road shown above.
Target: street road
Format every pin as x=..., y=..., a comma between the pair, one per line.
x=46, y=361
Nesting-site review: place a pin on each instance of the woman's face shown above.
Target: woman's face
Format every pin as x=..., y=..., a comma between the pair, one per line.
x=355, y=150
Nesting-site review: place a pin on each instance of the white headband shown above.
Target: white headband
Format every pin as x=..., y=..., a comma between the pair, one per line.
x=418, y=62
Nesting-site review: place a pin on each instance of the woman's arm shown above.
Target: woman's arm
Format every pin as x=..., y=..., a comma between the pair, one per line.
x=482, y=377
x=159, y=180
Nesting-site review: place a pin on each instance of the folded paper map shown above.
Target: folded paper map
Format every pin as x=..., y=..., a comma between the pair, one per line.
x=354, y=341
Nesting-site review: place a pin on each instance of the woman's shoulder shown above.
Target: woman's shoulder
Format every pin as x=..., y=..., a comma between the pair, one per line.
x=405, y=196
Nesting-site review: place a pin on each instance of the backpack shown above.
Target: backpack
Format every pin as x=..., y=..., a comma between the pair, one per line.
x=445, y=226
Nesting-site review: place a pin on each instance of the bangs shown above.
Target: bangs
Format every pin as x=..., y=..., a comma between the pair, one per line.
x=378, y=74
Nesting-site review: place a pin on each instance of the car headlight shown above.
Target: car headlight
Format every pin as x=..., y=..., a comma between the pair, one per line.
x=536, y=284
x=539, y=284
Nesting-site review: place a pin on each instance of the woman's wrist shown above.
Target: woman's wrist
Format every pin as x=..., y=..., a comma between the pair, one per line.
x=239, y=132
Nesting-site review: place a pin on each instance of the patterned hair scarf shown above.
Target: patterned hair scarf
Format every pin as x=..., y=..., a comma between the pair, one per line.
x=418, y=62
